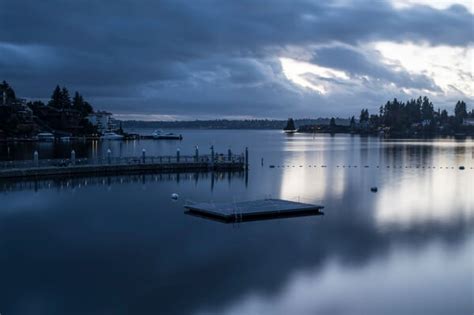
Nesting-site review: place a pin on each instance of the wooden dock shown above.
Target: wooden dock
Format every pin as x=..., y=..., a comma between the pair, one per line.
x=265, y=209
x=122, y=165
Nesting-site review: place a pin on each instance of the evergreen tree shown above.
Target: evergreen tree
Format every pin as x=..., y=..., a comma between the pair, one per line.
x=9, y=93
x=426, y=109
x=77, y=101
x=374, y=121
x=352, y=122
x=56, y=98
x=87, y=108
x=443, y=117
x=65, y=99
x=364, y=116
x=460, y=111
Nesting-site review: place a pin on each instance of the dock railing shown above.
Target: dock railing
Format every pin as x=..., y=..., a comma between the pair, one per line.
x=131, y=160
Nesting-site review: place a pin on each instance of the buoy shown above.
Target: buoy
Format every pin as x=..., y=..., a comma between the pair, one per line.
x=461, y=167
x=174, y=196
x=272, y=166
x=373, y=189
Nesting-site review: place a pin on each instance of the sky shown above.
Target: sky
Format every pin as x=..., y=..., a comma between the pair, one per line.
x=204, y=59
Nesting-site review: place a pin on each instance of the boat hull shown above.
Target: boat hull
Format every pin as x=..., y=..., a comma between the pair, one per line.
x=168, y=137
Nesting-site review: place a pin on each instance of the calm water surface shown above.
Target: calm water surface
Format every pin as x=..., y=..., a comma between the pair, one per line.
x=120, y=245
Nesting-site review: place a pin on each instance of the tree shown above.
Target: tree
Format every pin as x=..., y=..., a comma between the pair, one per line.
x=290, y=125
x=56, y=98
x=81, y=105
x=364, y=116
x=77, y=101
x=9, y=93
x=426, y=109
x=460, y=111
x=443, y=117
x=374, y=121
x=65, y=99
x=332, y=122
x=352, y=123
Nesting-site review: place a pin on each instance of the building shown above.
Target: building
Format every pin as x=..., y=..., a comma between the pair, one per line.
x=468, y=122
x=102, y=120
x=426, y=122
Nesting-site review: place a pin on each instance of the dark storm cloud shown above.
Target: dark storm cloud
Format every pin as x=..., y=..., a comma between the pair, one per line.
x=200, y=57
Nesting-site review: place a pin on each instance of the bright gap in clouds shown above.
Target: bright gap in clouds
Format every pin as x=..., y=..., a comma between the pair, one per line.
x=437, y=4
x=451, y=68
x=295, y=71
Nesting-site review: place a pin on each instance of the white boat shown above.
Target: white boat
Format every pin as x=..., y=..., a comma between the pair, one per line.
x=45, y=137
x=110, y=135
x=158, y=134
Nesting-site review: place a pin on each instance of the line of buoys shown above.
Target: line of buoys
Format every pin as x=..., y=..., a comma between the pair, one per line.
x=462, y=167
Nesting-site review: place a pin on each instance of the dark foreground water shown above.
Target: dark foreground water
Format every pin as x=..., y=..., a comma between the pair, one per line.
x=120, y=245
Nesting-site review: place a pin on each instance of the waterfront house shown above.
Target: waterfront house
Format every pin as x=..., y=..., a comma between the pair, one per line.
x=102, y=120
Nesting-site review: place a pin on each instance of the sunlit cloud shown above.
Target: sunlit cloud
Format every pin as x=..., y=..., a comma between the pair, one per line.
x=451, y=68
x=296, y=71
x=437, y=4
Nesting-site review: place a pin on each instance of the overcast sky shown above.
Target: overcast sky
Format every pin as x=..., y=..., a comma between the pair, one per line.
x=182, y=59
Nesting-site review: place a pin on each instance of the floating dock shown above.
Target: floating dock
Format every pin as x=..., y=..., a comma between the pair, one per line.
x=244, y=211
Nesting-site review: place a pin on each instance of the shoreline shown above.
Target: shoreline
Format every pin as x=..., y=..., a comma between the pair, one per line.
x=149, y=137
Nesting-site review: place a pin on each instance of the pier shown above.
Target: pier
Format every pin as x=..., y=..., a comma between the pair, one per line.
x=109, y=165
x=232, y=212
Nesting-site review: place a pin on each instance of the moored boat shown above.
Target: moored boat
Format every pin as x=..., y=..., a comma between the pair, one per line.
x=110, y=135
x=45, y=137
x=160, y=135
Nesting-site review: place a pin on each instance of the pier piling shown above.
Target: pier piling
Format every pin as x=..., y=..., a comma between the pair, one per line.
x=35, y=159
x=246, y=158
x=212, y=156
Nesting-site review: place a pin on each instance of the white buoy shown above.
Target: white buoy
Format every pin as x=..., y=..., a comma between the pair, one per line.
x=174, y=196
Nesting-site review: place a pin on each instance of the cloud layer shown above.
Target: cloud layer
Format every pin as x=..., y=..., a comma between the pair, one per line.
x=211, y=58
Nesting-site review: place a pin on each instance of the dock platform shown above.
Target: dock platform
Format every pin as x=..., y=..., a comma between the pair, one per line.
x=244, y=211
x=121, y=165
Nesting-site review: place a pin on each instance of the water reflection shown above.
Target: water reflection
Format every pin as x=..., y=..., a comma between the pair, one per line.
x=131, y=250
x=78, y=182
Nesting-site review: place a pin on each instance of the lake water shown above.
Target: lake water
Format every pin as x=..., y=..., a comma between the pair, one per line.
x=121, y=245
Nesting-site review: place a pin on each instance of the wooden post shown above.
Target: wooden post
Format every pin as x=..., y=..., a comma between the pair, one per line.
x=197, y=154
x=177, y=155
x=143, y=156
x=35, y=158
x=212, y=156
x=246, y=157
x=229, y=155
